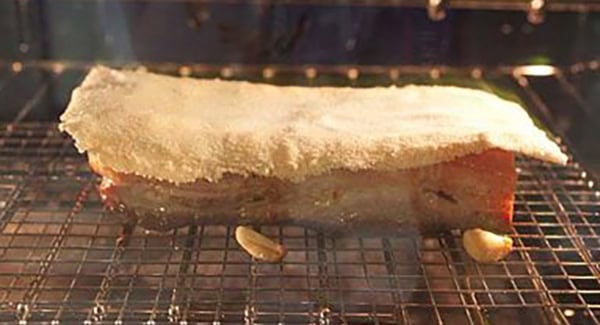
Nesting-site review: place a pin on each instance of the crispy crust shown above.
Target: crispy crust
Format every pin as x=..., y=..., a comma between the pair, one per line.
x=182, y=130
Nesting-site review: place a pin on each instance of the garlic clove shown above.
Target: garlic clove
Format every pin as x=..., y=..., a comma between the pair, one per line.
x=486, y=247
x=258, y=245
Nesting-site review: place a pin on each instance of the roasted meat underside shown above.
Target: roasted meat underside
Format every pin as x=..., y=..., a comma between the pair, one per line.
x=472, y=191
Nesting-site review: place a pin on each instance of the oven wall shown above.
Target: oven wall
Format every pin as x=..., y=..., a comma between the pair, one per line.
x=8, y=31
x=291, y=34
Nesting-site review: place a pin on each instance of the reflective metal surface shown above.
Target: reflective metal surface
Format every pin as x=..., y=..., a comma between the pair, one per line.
x=63, y=259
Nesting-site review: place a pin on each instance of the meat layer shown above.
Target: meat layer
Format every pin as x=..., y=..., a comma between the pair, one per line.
x=472, y=191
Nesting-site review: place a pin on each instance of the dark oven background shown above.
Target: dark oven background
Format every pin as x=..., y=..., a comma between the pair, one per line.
x=179, y=31
x=259, y=34
x=64, y=259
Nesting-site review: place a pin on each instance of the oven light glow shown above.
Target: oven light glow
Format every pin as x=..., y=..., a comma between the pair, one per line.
x=17, y=66
x=310, y=73
x=539, y=70
x=185, y=71
x=352, y=73
x=227, y=72
x=268, y=73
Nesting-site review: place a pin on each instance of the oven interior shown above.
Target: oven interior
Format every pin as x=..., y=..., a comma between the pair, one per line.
x=64, y=259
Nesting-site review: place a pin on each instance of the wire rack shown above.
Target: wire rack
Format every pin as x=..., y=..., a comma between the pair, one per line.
x=63, y=259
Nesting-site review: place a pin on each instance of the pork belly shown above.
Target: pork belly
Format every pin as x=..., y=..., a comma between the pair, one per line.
x=472, y=191
x=176, y=151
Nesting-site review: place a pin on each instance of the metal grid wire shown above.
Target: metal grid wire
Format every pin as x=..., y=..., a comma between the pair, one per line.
x=63, y=259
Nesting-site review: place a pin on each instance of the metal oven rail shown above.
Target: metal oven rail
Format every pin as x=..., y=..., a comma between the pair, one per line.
x=63, y=259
